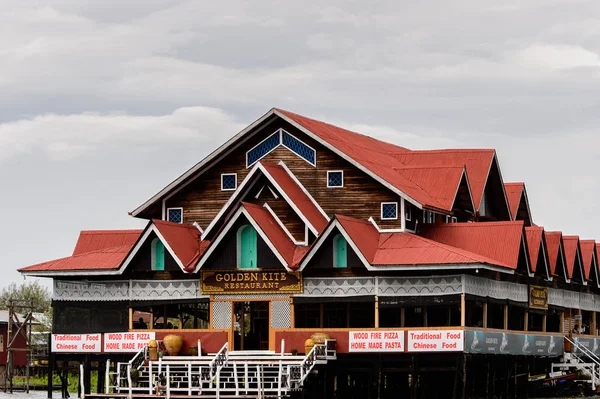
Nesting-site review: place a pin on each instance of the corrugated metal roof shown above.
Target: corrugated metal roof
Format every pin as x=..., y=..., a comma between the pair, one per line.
x=534, y=242
x=184, y=240
x=104, y=259
x=276, y=235
x=571, y=247
x=500, y=241
x=553, y=243
x=403, y=248
x=94, y=240
x=587, y=256
x=514, y=192
x=477, y=162
x=295, y=193
x=381, y=158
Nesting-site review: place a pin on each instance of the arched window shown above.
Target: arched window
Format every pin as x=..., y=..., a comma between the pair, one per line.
x=157, y=255
x=246, y=247
x=340, y=253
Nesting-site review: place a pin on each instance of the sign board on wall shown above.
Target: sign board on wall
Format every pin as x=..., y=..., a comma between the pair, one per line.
x=513, y=344
x=127, y=341
x=591, y=344
x=538, y=297
x=76, y=343
x=435, y=341
x=376, y=341
x=250, y=282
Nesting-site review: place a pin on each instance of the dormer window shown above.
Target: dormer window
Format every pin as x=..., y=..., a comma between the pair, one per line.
x=228, y=181
x=335, y=178
x=340, y=251
x=389, y=211
x=175, y=215
x=428, y=217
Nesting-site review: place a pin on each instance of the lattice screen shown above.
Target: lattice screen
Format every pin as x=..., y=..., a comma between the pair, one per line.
x=281, y=315
x=222, y=314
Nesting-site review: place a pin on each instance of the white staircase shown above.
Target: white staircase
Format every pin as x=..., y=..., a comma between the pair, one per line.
x=259, y=374
x=585, y=362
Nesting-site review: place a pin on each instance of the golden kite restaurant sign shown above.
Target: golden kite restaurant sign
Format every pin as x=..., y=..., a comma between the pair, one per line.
x=538, y=297
x=250, y=282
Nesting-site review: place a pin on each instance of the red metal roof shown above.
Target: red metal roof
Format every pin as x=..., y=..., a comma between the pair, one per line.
x=403, y=248
x=184, y=240
x=381, y=158
x=534, y=242
x=587, y=256
x=94, y=240
x=553, y=243
x=477, y=162
x=500, y=241
x=276, y=235
x=514, y=192
x=298, y=196
x=104, y=259
x=571, y=247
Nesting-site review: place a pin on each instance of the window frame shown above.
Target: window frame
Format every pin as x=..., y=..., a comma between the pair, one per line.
x=179, y=208
x=236, y=182
x=381, y=211
x=335, y=171
x=407, y=212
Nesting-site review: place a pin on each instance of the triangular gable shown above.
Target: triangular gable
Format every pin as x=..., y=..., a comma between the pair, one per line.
x=503, y=241
x=556, y=256
x=573, y=259
x=269, y=230
x=182, y=241
x=588, y=258
x=518, y=202
x=441, y=182
x=383, y=251
x=287, y=186
x=537, y=251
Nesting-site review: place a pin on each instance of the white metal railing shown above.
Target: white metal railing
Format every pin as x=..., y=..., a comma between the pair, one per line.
x=592, y=368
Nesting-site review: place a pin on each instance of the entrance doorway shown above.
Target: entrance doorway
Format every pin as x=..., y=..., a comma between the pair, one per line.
x=251, y=325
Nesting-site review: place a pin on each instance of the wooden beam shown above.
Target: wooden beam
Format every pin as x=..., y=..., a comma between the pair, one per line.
x=485, y=314
x=131, y=318
x=402, y=317
x=463, y=310
x=544, y=319
x=292, y=313
x=526, y=321
x=593, y=326
x=506, y=317
x=562, y=323
x=321, y=315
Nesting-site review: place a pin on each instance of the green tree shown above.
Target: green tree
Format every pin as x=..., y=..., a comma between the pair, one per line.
x=32, y=292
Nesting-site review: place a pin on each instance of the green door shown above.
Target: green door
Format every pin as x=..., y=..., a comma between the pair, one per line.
x=340, y=256
x=248, y=248
x=159, y=255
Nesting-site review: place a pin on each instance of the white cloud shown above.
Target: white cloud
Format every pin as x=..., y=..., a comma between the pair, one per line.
x=557, y=57
x=67, y=136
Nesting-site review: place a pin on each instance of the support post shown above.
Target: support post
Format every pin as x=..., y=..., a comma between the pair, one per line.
x=485, y=315
x=50, y=366
x=131, y=318
x=463, y=310
x=376, y=312
x=506, y=317
x=526, y=321
x=292, y=313
x=544, y=321
x=402, y=317
x=562, y=322
x=593, y=326
x=321, y=315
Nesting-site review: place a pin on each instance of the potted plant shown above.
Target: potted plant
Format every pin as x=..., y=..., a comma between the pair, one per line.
x=135, y=376
x=294, y=351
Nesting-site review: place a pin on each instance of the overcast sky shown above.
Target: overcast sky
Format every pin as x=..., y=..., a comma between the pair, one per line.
x=104, y=102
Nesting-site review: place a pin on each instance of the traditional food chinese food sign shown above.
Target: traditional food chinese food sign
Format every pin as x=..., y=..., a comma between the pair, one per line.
x=538, y=297
x=250, y=282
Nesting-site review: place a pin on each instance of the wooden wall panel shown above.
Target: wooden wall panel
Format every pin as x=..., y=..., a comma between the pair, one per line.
x=360, y=197
x=284, y=212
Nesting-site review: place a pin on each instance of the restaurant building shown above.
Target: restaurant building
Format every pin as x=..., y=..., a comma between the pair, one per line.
x=425, y=266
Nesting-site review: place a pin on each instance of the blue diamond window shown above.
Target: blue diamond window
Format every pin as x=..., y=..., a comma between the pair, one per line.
x=301, y=149
x=263, y=148
x=335, y=179
x=229, y=181
x=175, y=215
x=389, y=210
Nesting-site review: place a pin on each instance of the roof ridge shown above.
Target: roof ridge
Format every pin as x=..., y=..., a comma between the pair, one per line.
x=121, y=231
x=431, y=167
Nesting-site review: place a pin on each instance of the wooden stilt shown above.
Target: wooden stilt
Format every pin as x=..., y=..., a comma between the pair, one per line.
x=485, y=315
x=463, y=310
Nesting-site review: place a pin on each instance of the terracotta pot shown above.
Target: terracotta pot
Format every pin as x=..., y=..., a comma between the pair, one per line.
x=319, y=338
x=173, y=344
x=308, y=345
